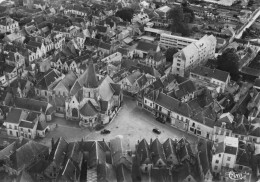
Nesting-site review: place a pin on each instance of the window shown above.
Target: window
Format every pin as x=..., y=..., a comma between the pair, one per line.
x=229, y=158
x=199, y=132
x=216, y=168
x=10, y=126
x=227, y=133
x=178, y=69
x=21, y=129
x=178, y=64
x=11, y=133
x=193, y=124
x=227, y=165
x=15, y=127
x=219, y=155
x=217, y=161
x=191, y=129
x=29, y=130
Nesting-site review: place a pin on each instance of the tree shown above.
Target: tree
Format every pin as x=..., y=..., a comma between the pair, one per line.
x=125, y=14
x=176, y=14
x=228, y=61
x=169, y=53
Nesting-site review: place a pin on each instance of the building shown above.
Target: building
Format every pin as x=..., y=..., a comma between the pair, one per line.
x=8, y=24
x=179, y=42
x=194, y=54
x=224, y=154
x=213, y=79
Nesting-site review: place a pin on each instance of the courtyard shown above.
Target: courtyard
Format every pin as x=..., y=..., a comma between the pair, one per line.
x=132, y=122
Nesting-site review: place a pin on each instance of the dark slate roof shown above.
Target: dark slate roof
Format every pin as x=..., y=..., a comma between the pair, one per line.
x=255, y=128
x=41, y=125
x=157, y=151
x=19, y=83
x=185, y=148
x=101, y=28
x=123, y=51
x=173, y=104
x=47, y=79
x=169, y=147
x=106, y=172
x=243, y=158
x=58, y=153
x=97, y=154
x=257, y=82
x=143, y=152
x=104, y=45
x=14, y=116
x=27, y=124
x=204, y=155
x=88, y=109
x=161, y=174
x=212, y=73
x=241, y=126
x=31, y=104
x=123, y=174
x=116, y=88
x=231, y=150
x=70, y=172
x=27, y=154
x=146, y=46
x=187, y=87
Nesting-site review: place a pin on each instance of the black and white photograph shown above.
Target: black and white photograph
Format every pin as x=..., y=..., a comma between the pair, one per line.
x=129, y=90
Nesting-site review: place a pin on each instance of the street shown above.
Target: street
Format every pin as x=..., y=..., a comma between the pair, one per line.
x=132, y=122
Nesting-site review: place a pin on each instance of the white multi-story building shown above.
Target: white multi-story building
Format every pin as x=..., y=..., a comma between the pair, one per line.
x=8, y=24
x=224, y=154
x=194, y=54
x=179, y=42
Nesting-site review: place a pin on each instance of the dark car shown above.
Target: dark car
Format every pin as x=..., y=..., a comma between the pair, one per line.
x=105, y=131
x=157, y=131
x=160, y=120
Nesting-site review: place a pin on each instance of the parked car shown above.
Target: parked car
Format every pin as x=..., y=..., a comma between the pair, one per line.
x=160, y=120
x=105, y=131
x=157, y=131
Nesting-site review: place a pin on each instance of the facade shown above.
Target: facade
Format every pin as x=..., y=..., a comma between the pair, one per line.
x=168, y=40
x=194, y=54
x=8, y=24
x=213, y=79
x=224, y=154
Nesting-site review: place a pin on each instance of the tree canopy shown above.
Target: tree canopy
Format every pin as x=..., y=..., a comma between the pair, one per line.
x=178, y=26
x=125, y=14
x=169, y=53
x=228, y=61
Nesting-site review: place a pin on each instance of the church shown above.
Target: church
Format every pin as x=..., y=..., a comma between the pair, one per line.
x=93, y=101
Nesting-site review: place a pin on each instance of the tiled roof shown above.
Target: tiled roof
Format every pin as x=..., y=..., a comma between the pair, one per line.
x=26, y=154
x=146, y=46
x=89, y=79
x=47, y=79
x=14, y=116
x=243, y=158
x=143, y=152
x=157, y=151
x=204, y=155
x=58, y=153
x=31, y=104
x=187, y=87
x=173, y=104
x=105, y=172
x=169, y=147
x=230, y=150
x=211, y=73
x=106, y=46
x=123, y=173
x=27, y=124
x=185, y=148
x=96, y=154
x=116, y=88
x=88, y=110
x=161, y=174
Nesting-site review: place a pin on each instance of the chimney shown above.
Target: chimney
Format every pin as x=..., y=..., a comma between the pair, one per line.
x=151, y=141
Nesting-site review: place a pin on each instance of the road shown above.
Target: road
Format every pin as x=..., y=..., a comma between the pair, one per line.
x=132, y=122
